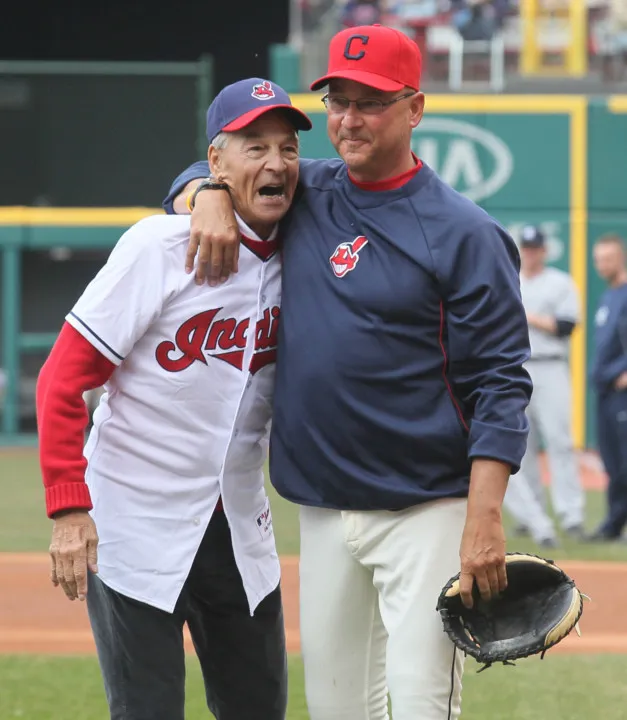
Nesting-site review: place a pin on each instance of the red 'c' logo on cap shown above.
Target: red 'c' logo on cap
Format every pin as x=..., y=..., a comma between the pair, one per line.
x=347, y=49
x=263, y=91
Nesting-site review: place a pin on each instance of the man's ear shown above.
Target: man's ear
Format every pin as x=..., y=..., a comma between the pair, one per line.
x=215, y=165
x=416, y=107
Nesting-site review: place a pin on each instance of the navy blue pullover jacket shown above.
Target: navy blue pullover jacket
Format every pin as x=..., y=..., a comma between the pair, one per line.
x=610, y=358
x=401, y=344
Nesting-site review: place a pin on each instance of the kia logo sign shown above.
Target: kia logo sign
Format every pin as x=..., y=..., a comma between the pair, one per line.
x=471, y=159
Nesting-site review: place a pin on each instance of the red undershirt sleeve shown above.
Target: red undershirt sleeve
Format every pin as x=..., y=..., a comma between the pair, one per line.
x=73, y=367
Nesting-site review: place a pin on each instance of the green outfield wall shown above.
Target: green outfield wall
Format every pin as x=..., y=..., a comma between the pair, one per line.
x=557, y=161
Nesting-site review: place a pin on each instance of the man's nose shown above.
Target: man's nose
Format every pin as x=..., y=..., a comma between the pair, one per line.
x=352, y=117
x=275, y=161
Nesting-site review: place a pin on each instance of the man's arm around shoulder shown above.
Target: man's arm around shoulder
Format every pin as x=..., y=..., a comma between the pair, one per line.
x=186, y=182
x=214, y=233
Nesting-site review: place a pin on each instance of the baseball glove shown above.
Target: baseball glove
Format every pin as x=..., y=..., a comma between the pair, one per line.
x=538, y=609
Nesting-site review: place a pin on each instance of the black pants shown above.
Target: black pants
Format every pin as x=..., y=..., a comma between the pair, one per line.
x=243, y=658
x=612, y=440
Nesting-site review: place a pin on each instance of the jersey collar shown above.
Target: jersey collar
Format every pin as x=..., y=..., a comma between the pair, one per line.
x=263, y=249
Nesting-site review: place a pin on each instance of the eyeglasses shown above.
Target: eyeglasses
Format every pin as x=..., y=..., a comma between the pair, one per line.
x=368, y=106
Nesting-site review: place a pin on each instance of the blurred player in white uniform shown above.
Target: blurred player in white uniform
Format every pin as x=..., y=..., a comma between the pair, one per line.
x=164, y=520
x=551, y=301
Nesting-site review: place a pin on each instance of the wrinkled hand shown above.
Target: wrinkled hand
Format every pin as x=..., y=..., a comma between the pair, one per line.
x=215, y=236
x=482, y=555
x=621, y=382
x=73, y=551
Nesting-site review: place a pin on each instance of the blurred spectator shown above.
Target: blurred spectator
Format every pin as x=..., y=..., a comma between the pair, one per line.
x=416, y=9
x=475, y=19
x=612, y=35
x=502, y=9
x=361, y=12
x=312, y=12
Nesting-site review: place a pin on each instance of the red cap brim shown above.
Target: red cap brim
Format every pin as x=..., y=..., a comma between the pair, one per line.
x=298, y=118
x=361, y=76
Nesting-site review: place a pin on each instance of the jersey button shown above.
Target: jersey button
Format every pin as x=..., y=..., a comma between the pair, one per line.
x=196, y=521
x=263, y=298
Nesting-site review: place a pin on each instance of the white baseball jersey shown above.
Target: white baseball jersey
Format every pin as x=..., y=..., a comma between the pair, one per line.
x=551, y=292
x=186, y=414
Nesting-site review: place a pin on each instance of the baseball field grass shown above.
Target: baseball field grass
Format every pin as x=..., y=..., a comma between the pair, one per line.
x=560, y=687
x=590, y=687
x=25, y=528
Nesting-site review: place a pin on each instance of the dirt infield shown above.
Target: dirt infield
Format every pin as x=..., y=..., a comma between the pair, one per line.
x=37, y=618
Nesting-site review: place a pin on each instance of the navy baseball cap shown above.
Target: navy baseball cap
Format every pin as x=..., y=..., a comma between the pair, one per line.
x=532, y=237
x=237, y=105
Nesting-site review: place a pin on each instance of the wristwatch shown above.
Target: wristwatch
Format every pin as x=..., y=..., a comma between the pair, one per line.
x=206, y=184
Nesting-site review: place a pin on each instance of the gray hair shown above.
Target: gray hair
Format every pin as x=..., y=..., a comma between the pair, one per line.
x=220, y=141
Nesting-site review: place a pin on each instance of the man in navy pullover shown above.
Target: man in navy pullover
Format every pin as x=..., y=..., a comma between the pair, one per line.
x=399, y=408
x=609, y=376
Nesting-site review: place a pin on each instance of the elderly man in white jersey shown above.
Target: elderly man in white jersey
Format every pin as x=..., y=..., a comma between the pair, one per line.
x=163, y=518
x=552, y=304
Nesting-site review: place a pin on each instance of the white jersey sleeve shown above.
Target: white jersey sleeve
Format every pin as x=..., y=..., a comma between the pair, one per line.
x=128, y=293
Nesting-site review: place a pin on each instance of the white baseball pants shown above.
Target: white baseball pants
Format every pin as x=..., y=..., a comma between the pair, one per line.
x=369, y=583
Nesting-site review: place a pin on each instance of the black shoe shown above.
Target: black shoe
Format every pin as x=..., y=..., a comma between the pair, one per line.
x=548, y=543
x=601, y=536
x=521, y=531
x=575, y=532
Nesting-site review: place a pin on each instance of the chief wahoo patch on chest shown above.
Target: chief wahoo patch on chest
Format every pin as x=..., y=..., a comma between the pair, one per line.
x=346, y=256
